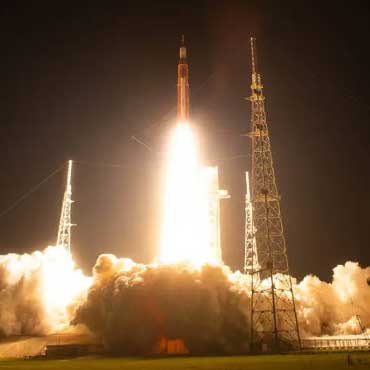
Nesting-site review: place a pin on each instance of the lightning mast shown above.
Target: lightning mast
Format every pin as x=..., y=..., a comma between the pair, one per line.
x=274, y=324
x=64, y=231
x=250, y=251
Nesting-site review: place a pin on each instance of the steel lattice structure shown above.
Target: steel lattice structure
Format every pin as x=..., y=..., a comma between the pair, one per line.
x=274, y=325
x=64, y=231
x=250, y=251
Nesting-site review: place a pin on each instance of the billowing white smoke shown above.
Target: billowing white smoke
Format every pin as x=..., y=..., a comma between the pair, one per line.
x=132, y=306
x=43, y=292
x=331, y=308
x=126, y=300
x=38, y=291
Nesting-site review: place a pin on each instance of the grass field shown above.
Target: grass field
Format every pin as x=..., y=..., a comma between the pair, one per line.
x=331, y=361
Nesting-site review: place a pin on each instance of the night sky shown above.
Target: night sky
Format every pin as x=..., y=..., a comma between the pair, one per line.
x=79, y=82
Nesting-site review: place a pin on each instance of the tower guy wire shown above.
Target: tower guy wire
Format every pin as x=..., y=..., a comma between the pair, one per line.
x=30, y=192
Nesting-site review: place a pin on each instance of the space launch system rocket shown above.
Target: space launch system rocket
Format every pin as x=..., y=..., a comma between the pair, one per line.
x=183, y=85
x=208, y=174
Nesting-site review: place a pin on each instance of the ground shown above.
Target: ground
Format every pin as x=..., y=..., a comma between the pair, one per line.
x=324, y=361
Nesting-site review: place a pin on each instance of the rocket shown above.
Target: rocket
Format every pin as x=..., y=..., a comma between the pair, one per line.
x=182, y=85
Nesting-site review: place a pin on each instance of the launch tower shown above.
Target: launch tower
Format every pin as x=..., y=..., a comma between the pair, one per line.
x=64, y=231
x=274, y=325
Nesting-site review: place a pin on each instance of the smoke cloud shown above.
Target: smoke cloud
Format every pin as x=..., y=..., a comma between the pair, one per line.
x=38, y=292
x=331, y=308
x=131, y=306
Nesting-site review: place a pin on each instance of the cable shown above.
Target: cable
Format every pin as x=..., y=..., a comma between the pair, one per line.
x=125, y=166
x=230, y=158
x=32, y=190
x=112, y=165
x=95, y=164
x=141, y=143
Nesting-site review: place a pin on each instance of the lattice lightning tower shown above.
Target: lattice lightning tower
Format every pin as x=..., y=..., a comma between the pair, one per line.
x=274, y=325
x=250, y=251
x=64, y=231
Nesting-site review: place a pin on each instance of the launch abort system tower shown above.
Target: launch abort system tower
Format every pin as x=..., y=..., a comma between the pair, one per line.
x=274, y=325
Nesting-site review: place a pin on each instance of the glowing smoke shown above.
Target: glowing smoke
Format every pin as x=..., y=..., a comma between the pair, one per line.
x=132, y=306
x=330, y=308
x=38, y=291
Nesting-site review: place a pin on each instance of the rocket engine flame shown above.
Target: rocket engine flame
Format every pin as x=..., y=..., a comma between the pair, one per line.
x=185, y=231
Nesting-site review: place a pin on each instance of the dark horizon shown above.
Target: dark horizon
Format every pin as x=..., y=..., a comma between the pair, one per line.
x=77, y=83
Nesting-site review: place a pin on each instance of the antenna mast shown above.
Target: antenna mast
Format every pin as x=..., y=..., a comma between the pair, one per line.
x=274, y=324
x=64, y=231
